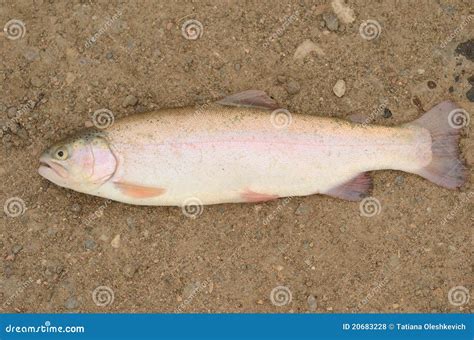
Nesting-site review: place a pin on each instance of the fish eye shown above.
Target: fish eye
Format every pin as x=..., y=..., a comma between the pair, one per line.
x=61, y=154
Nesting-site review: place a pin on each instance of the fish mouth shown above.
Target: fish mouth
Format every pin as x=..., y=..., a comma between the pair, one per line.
x=47, y=169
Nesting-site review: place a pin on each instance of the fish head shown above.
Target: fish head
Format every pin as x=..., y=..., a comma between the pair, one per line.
x=82, y=163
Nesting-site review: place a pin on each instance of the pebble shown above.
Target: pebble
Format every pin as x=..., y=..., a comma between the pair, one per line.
x=281, y=79
x=12, y=112
x=303, y=209
x=293, y=87
x=431, y=84
x=115, y=242
x=89, y=244
x=130, y=100
x=237, y=67
x=31, y=54
x=109, y=55
x=466, y=49
x=387, y=113
x=339, y=88
x=451, y=89
x=470, y=94
x=129, y=271
x=76, y=208
x=36, y=81
x=420, y=71
x=279, y=267
x=71, y=303
x=399, y=180
x=17, y=248
x=471, y=80
x=312, y=304
x=130, y=222
x=331, y=21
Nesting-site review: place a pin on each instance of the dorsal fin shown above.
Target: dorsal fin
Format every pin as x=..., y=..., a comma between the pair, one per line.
x=250, y=98
x=353, y=190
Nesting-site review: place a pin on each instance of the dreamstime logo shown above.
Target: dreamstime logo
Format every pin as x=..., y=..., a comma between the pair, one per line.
x=192, y=207
x=192, y=29
x=458, y=118
x=14, y=207
x=102, y=118
x=281, y=296
x=370, y=29
x=458, y=296
x=281, y=118
x=370, y=206
x=14, y=29
x=103, y=296
x=457, y=31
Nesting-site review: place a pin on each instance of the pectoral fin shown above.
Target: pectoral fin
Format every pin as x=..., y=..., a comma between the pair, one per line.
x=138, y=191
x=251, y=98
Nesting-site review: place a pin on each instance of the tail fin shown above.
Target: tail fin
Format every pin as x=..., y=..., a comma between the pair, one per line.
x=444, y=122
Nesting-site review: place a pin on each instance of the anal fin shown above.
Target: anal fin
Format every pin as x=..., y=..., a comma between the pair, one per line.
x=353, y=190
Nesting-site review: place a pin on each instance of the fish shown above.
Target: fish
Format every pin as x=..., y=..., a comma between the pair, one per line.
x=246, y=148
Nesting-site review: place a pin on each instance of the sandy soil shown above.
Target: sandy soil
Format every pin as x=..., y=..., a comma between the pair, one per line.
x=72, y=252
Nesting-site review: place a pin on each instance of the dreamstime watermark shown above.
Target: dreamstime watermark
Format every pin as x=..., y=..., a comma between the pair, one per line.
x=192, y=29
x=281, y=118
x=192, y=207
x=103, y=296
x=192, y=295
x=369, y=207
x=273, y=214
x=280, y=31
x=458, y=296
x=98, y=213
x=24, y=109
x=370, y=29
x=14, y=207
x=103, y=118
x=464, y=199
x=104, y=28
x=379, y=110
x=281, y=296
x=14, y=29
x=457, y=31
x=458, y=118
x=18, y=292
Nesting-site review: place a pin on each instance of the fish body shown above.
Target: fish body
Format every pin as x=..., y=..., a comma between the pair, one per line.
x=224, y=154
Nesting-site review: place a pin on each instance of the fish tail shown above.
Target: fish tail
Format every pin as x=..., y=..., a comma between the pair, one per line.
x=444, y=122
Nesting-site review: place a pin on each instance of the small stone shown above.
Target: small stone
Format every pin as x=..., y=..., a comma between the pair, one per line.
x=312, y=304
x=308, y=283
x=17, y=248
x=322, y=24
x=70, y=77
x=470, y=94
x=71, y=303
x=76, y=208
x=12, y=112
x=457, y=77
x=307, y=47
x=387, y=113
x=129, y=271
x=260, y=302
x=36, y=81
x=331, y=21
x=31, y=54
x=109, y=55
x=399, y=180
x=339, y=88
x=281, y=79
x=130, y=100
x=103, y=238
x=451, y=89
x=471, y=80
x=303, y=209
x=431, y=84
x=293, y=87
x=115, y=242
x=420, y=71
x=237, y=67
x=466, y=49
x=279, y=267
x=89, y=244
x=131, y=222
x=395, y=306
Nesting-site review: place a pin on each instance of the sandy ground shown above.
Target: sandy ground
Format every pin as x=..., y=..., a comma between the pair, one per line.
x=67, y=251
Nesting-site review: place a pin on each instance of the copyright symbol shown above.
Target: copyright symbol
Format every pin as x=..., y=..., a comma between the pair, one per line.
x=391, y=326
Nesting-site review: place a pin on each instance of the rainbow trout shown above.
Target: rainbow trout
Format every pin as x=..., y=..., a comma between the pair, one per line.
x=237, y=151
